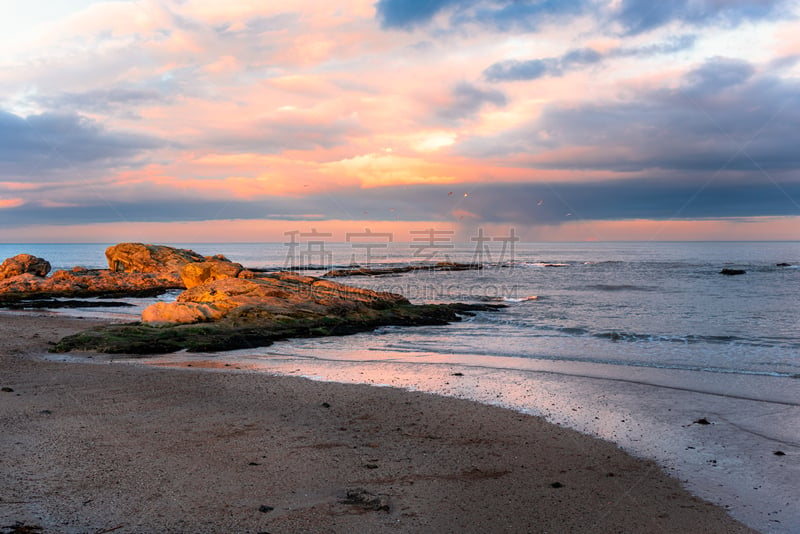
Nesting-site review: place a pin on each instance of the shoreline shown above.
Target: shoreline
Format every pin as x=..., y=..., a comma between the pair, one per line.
x=650, y=413
x=137, y=447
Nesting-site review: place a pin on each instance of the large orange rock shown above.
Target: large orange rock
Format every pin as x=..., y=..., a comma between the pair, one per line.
x=142, y=258
x=195, y=274
x=275, y=294
x=24, y=264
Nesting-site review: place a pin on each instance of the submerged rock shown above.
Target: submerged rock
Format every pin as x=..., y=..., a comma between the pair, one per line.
x=24, y=264
x=142, y=258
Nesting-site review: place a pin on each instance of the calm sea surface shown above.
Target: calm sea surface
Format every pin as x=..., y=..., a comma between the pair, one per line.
x=661, y=305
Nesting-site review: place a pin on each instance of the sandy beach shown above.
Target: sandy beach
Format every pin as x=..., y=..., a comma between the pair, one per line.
x=111, y=447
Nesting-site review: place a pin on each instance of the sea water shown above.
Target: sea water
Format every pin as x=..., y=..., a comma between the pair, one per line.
x=593, y=335
x=628, y=304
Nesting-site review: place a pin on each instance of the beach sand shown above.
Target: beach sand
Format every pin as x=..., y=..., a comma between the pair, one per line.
x=112, y=447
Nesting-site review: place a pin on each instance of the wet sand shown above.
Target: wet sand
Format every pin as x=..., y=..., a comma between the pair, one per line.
x=110, y=447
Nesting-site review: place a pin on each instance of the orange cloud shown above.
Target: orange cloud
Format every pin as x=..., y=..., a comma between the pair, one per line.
x=11, y=202
x=375, y=170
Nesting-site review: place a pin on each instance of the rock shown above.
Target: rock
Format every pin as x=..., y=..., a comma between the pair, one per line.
x=24, y=264
x=141, y=258
x=279, y=294
x=702, y=421
x=264, y=508
x=779, y=453
x=236, y=313
x=190, y=312
x=7, y=390
x=366, y=500
x=783, y=264
x=732, y=272
x=86, y=283
x=366, y=271
x=195, y=274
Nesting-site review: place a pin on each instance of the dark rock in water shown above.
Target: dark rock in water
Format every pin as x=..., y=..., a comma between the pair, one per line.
x=7, y=390
x=142, y=258
x=779, y=453
x=457, y=374
x=556, y=485
x=702, y=421
x=52, y=304
x=378, y=271
x=24, y=264
x=732, y=272
x=783, y=264
x=264, y=508
x=21, y=527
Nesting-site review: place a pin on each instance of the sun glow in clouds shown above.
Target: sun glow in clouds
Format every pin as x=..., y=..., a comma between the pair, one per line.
x=245, y=107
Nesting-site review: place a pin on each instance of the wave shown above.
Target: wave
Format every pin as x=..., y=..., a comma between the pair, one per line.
x=694, y=339
x=543, y=264
x=620, y=287
x=420, y=349
x=530, y=298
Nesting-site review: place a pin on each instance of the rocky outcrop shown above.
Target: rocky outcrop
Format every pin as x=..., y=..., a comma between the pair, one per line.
x=235, y=313
x=24, y=264
x=80, y=283
x=275, y=295
x=195, y=274
x=141, y=258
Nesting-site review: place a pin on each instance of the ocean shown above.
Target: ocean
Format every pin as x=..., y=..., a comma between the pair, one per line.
x=631, y=342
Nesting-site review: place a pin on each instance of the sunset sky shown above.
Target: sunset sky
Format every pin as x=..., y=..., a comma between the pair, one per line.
x=200, y=120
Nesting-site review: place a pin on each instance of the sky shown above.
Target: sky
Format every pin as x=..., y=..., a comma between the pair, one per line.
x=573, y=120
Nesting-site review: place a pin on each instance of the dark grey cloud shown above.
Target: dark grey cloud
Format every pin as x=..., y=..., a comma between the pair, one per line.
x=719, y=73
x=521, y=15
x=688, y=197
x=532, y=69
x=407, y=14
x=517, y=70
x=675, y=44
x=504, y=15
x=632, y=17
x=724, y=116
x=639, y=16
x=51, y=141
x=468, y=100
